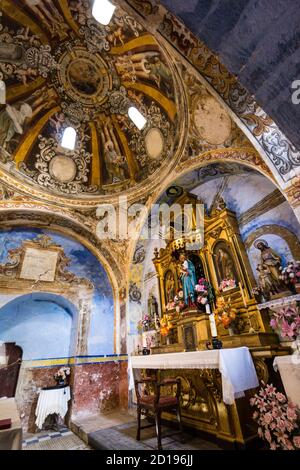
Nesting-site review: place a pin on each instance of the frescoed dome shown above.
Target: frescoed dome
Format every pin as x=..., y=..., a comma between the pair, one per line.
x=63, y=69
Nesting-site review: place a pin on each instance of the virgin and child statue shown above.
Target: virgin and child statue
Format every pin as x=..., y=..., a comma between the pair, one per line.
x=188, y=279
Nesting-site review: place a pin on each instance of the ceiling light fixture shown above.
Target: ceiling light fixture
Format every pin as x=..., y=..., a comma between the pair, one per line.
x=137, y=118
x=2, y=92
x=69, y=138
x=103, y=11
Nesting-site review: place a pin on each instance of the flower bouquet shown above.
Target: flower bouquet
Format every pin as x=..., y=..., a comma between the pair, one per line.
x=287, y=321
x=164, y=326
x=278, y=419
x=290, y=275
x=225, y=314
x=62, y=375
x=227, y=284
x=147, y=323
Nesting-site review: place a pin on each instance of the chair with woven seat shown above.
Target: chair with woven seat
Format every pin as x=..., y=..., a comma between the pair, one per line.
x=157, y=403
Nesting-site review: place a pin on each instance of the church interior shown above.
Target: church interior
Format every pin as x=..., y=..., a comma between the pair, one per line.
x=150, y=225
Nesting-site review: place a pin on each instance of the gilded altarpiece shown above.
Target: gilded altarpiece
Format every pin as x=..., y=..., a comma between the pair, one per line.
x=221, y=255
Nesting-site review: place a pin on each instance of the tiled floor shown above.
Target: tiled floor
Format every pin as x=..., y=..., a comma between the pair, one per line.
x=115, y=431
x=54, y=440
x=123, y=437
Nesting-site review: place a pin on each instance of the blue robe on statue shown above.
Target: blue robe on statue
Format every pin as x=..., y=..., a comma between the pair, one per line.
x=188, y=280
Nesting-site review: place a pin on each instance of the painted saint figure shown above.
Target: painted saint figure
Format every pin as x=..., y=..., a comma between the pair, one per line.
x=12, y=121
x=115, y=163
x=188, y=279
x=225, y=264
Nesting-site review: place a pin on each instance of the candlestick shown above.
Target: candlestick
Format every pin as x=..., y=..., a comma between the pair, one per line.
x=213, y=326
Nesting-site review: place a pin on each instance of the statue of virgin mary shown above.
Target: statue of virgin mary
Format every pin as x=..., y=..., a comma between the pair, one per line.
x=188, y=279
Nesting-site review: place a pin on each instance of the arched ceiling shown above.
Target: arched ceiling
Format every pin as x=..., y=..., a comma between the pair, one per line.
x=62, y=68
x=258, y=41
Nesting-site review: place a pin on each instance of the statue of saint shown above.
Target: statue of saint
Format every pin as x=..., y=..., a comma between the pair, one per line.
x=188, y=279
x=270, y=259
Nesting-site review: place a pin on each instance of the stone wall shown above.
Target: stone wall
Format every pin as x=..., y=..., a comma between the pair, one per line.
x=96, y=388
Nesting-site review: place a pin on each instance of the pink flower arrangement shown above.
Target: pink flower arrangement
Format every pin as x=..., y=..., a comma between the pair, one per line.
x=227, y=284
x=291, y=273
x=287, y=321
x=277, y=419
x=204, y=292
x=201, y=287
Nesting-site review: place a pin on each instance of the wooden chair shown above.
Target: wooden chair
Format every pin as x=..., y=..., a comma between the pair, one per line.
x=157, y=403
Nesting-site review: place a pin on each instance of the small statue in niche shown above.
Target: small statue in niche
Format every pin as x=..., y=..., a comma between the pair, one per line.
x=271, y=260
x=169, y=287
x=152, y=306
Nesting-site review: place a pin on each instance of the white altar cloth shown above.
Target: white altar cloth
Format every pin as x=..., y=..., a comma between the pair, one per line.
x=289, y=369
x=235, y=365
x=52, y=401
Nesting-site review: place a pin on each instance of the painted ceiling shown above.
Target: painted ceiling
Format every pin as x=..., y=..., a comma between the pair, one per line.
x=62, y=68
x=258, y=42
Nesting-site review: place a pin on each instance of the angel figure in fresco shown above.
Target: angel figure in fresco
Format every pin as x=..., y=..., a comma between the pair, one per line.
x=23, y=74
x=41, y=99
x=115, y=163
x=57, y=121
x=12, y=119
x=47, y=12
x=188, y=279
x=116, y=36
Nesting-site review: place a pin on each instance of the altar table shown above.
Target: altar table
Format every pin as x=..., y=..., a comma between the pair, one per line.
x=52, y=401
x=10, y=439
x=235, y=365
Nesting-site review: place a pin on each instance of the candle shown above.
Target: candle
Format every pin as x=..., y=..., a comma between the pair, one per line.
x=213, y=327
x=243, y=295
x=207, y=308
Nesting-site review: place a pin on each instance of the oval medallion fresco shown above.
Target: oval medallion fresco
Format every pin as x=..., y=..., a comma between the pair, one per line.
x=211, y=120
x=154, y=141
x=62, y=68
